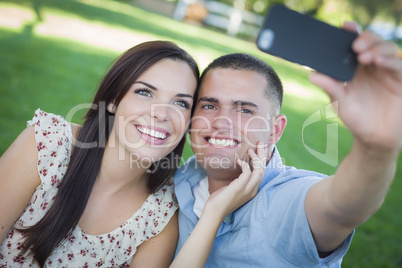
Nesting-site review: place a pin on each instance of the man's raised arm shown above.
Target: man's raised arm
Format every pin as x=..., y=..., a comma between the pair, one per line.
x=371, y=108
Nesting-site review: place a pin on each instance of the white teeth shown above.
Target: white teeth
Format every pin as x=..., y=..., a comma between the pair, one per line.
x=153, y=133
x=222, y=142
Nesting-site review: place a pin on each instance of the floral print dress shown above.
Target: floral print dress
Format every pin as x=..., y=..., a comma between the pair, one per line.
x=115, y=249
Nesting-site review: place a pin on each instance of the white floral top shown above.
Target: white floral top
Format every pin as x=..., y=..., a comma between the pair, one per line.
x=115, y=249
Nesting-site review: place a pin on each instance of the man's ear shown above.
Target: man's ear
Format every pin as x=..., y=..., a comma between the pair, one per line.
x=278, y=126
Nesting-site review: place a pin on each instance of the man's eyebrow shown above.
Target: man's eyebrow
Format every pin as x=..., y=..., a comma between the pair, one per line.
x=182, y=95
x=244, y=103
x=208, y=99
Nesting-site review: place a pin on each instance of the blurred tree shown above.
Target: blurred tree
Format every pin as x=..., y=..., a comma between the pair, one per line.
x=310, y=7
x=365, y=11
x=396, y=11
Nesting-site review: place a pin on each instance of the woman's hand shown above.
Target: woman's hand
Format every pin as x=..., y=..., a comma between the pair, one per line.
x=228, y=198
x=221, y=203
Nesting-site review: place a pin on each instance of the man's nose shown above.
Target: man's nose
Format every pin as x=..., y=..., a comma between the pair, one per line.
x=223, y=121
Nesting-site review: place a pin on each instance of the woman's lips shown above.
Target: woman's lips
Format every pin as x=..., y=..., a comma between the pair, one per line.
x=152, y=135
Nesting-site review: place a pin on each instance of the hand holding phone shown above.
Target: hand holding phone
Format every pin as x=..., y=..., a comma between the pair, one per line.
x=307, y=41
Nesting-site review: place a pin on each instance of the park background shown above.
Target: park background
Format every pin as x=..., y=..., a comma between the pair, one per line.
x=54, y=53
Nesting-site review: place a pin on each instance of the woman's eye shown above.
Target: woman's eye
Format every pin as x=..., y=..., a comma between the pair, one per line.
x=208, y=107
x=144, y=92
x=183, y=104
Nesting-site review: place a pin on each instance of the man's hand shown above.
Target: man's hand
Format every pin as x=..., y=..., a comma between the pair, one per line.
x=370, y=105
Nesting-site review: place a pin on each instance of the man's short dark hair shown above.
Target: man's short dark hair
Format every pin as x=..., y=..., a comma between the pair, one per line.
x=243, y=61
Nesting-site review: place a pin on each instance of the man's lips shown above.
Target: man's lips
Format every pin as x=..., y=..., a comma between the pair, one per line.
x=224, y=142
x=152, y=132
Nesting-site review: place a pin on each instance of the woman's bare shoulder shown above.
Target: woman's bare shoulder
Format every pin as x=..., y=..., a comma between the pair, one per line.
x=75, y=128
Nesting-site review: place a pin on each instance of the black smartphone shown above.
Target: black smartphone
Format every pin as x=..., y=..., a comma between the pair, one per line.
x=307, y=41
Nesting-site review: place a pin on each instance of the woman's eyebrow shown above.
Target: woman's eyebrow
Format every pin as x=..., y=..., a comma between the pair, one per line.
x=146, y=84
x=182, y=95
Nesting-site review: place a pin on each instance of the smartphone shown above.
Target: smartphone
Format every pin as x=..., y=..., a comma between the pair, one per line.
x=307, y=41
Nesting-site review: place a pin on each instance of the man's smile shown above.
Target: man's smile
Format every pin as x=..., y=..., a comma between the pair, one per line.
x=222, y=142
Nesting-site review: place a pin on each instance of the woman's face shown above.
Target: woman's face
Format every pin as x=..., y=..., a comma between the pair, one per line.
x=153, y=116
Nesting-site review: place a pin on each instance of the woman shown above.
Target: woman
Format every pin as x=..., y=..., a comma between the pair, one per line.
x=100, y=195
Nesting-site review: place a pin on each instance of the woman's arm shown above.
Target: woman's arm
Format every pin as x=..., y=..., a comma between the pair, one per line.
x=159, y=250
x=18, y=179
x=221, y=203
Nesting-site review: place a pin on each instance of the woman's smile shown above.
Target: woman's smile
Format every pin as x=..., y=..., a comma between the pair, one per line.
x=152, y=135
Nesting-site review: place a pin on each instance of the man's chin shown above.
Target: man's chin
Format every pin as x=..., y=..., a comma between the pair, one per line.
x=218, y=163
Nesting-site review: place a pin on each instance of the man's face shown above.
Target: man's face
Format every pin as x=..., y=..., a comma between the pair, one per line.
x=232, y=114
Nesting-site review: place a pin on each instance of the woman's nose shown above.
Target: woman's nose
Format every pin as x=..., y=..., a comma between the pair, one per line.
x=161, y=111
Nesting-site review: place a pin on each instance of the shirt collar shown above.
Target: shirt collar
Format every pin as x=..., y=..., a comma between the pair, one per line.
x=274, y=167
x=190, y=173
x=186, y=177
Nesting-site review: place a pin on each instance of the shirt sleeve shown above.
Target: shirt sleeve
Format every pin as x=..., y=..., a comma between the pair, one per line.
x=288, y=230
x=53, y=142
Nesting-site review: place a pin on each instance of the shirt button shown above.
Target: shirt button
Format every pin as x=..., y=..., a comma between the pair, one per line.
x=227, y=219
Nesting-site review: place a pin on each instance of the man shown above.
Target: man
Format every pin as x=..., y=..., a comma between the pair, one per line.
x=298, y=218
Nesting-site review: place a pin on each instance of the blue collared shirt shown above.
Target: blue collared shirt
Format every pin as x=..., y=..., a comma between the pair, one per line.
x=271, y=230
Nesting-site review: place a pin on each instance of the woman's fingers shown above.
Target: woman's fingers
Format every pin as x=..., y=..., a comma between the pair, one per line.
x=259, y=159
x=245, y=167
x=262, y=152
x=252, y=180
x=245, y=187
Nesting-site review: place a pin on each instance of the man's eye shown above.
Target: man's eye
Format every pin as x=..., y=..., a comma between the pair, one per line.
x=246, y=111
x=208, y=107
x=183, y=104
x=143, y=92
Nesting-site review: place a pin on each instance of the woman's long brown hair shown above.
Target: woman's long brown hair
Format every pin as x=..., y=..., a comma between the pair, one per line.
x=75, y=189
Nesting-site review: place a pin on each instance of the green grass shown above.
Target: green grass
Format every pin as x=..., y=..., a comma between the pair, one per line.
x=56, y=74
